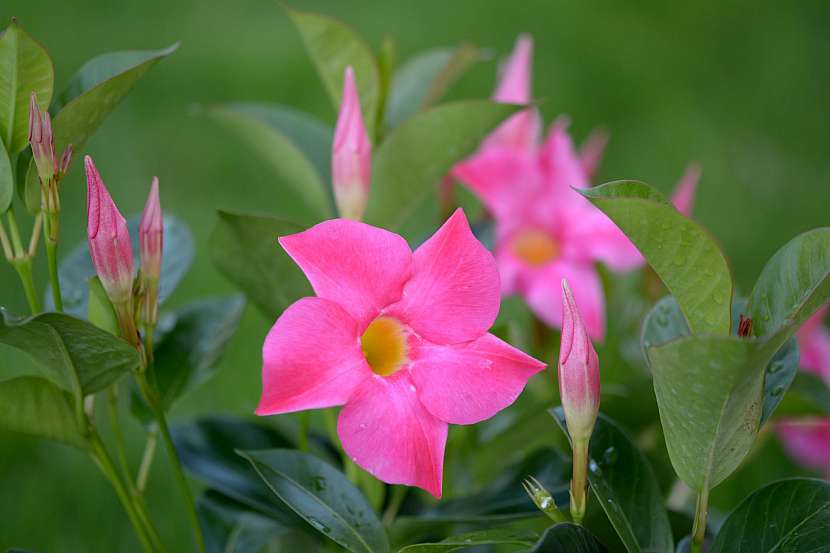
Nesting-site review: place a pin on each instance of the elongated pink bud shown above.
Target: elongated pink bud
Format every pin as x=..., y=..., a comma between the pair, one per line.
x=590, y=154
x=522, y=130
x=578, y=371
x=351, y=156
x=151, y=236
x=684, y=194
x=109, y=239
x=41, y=139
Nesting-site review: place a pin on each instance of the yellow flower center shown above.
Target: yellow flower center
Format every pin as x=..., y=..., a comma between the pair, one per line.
x=384, y=345
x=536, y=247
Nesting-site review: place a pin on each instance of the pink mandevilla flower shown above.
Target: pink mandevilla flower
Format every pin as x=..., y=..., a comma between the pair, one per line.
x=808, y=441
x=545, y=231
x=351, y=158
x=398, y=338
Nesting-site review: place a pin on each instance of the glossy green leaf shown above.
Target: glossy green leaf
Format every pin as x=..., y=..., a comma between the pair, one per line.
x=625, y=487
x=7, y=185
x=296, y=147
x=76, y=269
x=100, y=310
x=25, y=66
x=567, y=537
x=245, y=249
x=333, y=45
x=794, y=283
x=787, y=516
x=496, y=536
x=188, y=352
x=416, y=155
x=322, y=496
x=422, y=80
x=75, y=355
x=37, y=407
x=681, y=252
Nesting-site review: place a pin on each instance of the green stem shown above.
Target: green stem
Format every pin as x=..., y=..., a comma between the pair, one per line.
x=147, y=459
x=52, y=261
x=175, y=462
x=302, y=432
x=120, y=450
x=395, y=502
x=579, y=480
x=24, y=271
x=699, y=528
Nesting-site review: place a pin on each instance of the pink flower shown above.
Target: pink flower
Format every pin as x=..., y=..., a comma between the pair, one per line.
x=590, y=154
x=808, y=441
x=351, y=157
x=578, y=371
x=399, y=338
x=151, y=237
x=684, y=194
x=109, y=239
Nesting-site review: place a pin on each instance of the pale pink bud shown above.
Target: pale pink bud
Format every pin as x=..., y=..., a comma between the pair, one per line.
x=351, y=157
x=522, y=130
x=109, y=239
x=590, y=154
x=66, y=159
x=578, y=371
x=41, y=139
x=150, y=234
x=684, y=194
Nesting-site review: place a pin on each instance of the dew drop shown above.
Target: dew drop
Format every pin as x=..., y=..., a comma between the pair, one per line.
x=775, y=367
x=610, y=456
x=777, y=391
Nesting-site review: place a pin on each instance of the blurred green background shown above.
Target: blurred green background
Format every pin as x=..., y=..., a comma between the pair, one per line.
x=740, y=87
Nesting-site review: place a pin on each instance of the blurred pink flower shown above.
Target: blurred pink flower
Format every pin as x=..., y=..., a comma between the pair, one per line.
x=684, y=193
x=808, y=441
x=399, y=338
x=351, y=157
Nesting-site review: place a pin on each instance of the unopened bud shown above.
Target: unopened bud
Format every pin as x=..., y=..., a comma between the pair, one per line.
x=351, y=157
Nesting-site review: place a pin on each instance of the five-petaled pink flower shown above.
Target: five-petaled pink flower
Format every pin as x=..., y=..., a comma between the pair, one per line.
x=546, y=231
x=398, y=338
x=808, y=441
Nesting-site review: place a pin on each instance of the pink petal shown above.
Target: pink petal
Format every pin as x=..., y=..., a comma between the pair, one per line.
x=512, y=270
x=468, y=383
x=562, y=165
x=521, y=132
x=358, y=266
x=516, y=76
x=311, y=358
x=808, y=442
x=592, y=236
x=590, y=154
x=684, y=195
x=544, y=295
x=814, y=343
x=386, y=430
x=453, y=295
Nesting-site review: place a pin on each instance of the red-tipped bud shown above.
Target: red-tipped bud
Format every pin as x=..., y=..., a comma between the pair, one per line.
x=590, y=154
x=151, y=236
x=522, y=131
x=684, y=194
x=41, y=139
x=109, y=239
x=578, y=371
x=351, y=157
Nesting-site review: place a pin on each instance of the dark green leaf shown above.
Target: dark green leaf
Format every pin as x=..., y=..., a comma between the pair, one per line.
x=625, y=487
x=496, y=536
x=808, y=396
x=681, y=252
x=415, y=156
x=76, y=269
x=245, y=249
x=423, y=79
x=322, y=496
x=295, y=145
x=188, y=352
x=37, y=407
x=6, y=181
x=333, y=45
x=567, y=537
x=790, y=515
x=75, y=355
x=24, y=67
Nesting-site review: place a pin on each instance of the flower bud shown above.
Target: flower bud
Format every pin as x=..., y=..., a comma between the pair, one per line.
x=109, y=239
x=42, y=140
x=684, y=194
x=66, y=159
x=542, y=498
x=150, y=234
x=351, y=157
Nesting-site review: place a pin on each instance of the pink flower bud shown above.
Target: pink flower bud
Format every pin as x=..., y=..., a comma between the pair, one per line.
x=109, y=239
x=684, y=195
x=578, y=371
x=351, y=157
x=150, y=232
x=41, y=139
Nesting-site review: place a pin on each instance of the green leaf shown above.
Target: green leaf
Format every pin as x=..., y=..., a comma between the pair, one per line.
x=794, y=283
x=188, y=353
x=245, y=249
x=7, y=185
x=37, y=407
x=681, y=252
x=415, y=156
x=100, y=310
x=422, y=80
x=808, y=396
x=333, y=45
x=75, y=355
x=322, y=496
x=710, y=393
x=567, y=537
x=624, y=484
x=296, y=146
x=24, y=67
x=496, y=536
x=790, y=515
x=76, y=269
